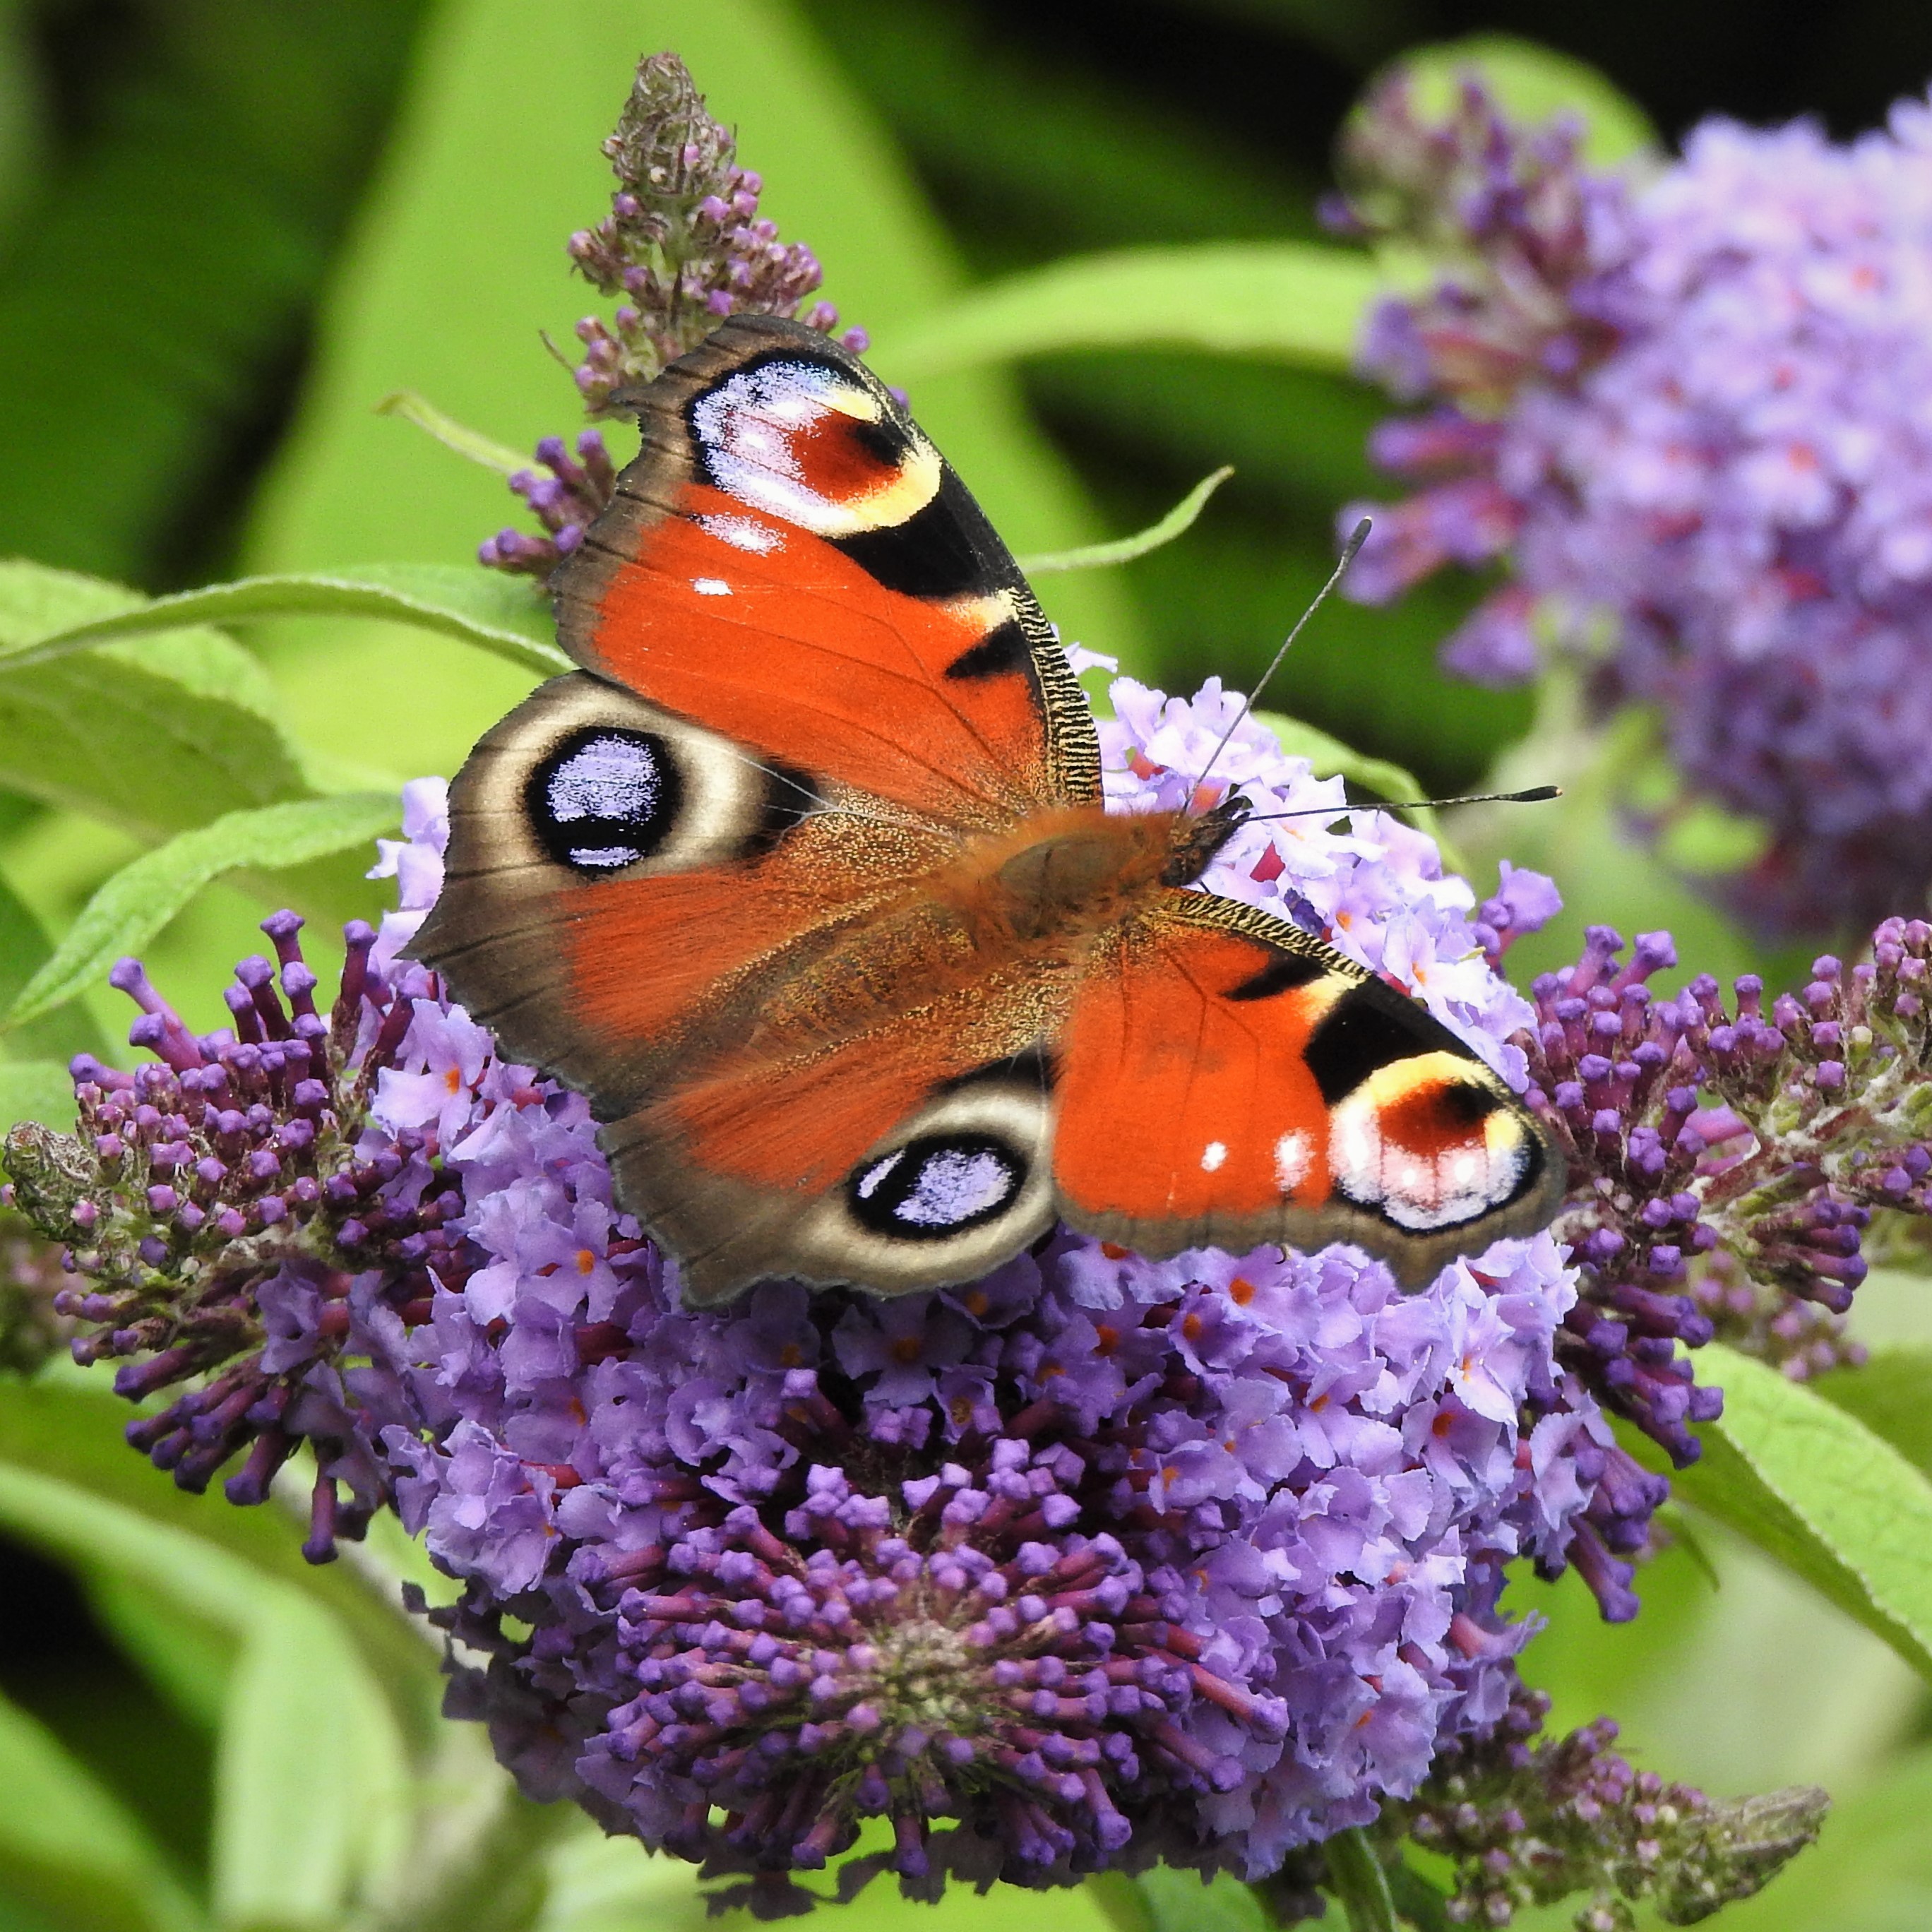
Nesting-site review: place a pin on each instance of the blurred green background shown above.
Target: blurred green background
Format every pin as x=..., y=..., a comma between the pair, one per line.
x=229, y=227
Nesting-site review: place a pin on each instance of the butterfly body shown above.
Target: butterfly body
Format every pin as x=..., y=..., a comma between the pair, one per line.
x=806, y=880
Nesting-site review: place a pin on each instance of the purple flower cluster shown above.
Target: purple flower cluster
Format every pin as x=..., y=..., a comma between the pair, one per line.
x=1096, y=1561
x=1200, y=1557
x=233, y=1223
x=1728, y=1162
x=1683, y=413
x=683, y=246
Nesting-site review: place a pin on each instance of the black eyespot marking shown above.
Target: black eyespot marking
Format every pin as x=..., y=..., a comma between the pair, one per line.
x=1000, y=653
x=1369, y=1027
x=790, y=799
x=932, y=553
x=1033, y=1067
x=936, y=1187
x=605, y=798
x=1282, y=974
x=888, y=440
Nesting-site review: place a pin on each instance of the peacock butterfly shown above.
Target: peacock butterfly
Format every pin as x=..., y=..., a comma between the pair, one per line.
x=804, y=880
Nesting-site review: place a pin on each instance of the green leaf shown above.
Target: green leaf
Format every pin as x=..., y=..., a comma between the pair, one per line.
x=186, y=1658
x=71, y=1487
x=1813, y=1486
x=224, y=148
x=453, y=435
x=24, y=948
x=308, y=1766
x=1419, y=1903
x=68, y=1849
x=1124, y=1900
x=140, y=899
x=1704, y=837
x=1297, y=301
x=36, y=1089
x=1356, y=1877
x=506, y=615
x=1891, y=1395
x=1533, y=83
x=1124, y=550
x=151, y=734
x=1180, y=1903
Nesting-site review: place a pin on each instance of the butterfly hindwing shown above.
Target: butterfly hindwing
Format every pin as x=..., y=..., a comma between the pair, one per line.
x=1227, y=1080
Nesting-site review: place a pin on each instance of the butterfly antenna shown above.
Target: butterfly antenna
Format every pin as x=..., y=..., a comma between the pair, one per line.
x=1357, y=538
x=1535, y=795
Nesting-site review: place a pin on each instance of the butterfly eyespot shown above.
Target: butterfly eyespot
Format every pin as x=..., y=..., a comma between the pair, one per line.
x=800, y=439
x=1427, y=1145
x=937, y=1186
x=605, y=798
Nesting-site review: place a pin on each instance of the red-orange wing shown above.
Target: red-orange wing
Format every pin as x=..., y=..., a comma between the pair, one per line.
x=1227, y=1081
x=790, y=562
x=810, y=667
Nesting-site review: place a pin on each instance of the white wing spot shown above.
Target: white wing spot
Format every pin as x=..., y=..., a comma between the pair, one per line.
x=711, y=586
x=1292, y=1154
x=1213, y=1155
x=741, y=533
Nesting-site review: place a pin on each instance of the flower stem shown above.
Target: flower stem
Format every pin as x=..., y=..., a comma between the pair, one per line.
x=1356, y=1877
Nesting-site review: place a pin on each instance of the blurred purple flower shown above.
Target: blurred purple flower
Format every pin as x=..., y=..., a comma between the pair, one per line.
x=1685, y=413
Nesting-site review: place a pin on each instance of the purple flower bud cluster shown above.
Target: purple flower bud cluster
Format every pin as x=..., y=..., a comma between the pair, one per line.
x=237, y=1229
x=1674, y=408
x=1800, y=1338
x=1523, y=232
x=1726, y=1162
x=683, y=246
x=1529, y=1823
x=566, y=501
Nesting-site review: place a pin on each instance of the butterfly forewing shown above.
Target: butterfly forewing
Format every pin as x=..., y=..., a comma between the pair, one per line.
x=791, y=561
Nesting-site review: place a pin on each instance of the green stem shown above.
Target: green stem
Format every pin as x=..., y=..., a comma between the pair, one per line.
x=1356, y=1877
